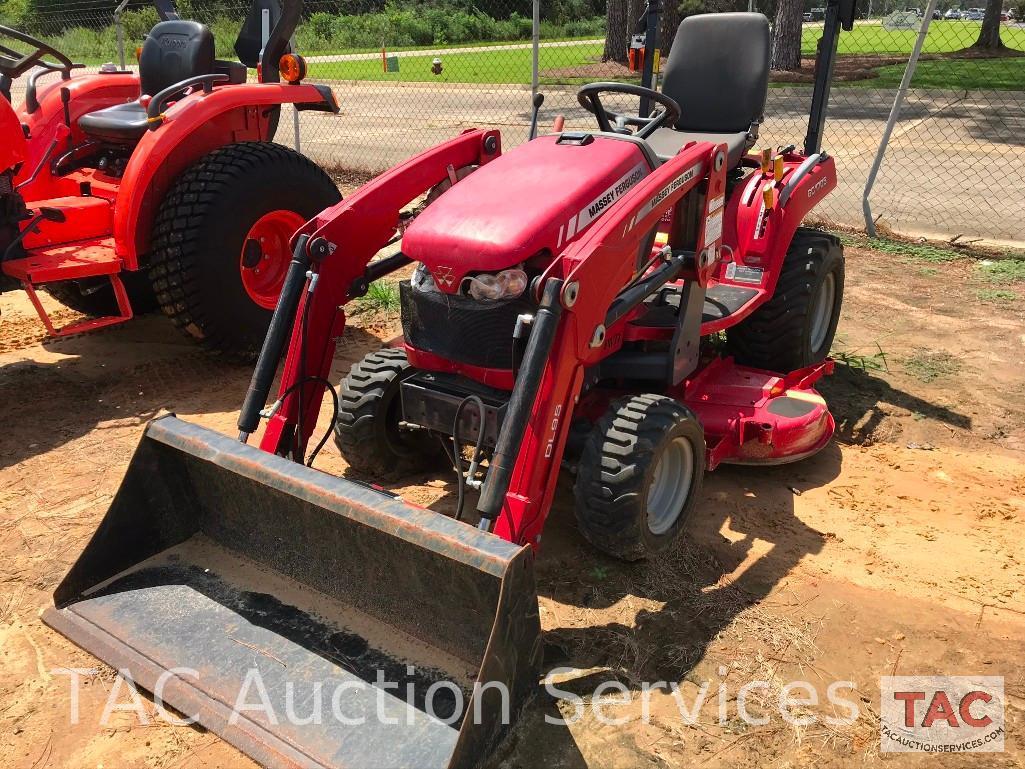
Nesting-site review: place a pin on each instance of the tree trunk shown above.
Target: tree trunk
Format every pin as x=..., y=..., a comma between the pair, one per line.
x=989, y=35
x=786, y=35
x=618, y=26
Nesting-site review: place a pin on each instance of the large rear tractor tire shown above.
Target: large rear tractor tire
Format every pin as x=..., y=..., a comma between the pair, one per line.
x=639, y=476
x=795, y=328
x=220, y=241
x=96, y=296
x=368, y=432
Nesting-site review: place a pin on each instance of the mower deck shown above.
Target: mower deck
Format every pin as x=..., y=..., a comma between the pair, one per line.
x=752, y=416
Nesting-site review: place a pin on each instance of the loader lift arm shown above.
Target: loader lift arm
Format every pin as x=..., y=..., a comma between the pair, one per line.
x=340, y=243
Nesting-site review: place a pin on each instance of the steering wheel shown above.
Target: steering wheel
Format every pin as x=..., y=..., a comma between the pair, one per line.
x=14, y=64
x=667, y=114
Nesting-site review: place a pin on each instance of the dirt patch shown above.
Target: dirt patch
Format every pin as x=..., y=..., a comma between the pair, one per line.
x=898, y=549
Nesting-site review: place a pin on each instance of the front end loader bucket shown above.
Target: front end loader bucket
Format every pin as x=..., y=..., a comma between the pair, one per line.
x=308, y=620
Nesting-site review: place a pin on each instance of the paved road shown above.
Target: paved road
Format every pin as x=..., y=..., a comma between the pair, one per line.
x=954, y=166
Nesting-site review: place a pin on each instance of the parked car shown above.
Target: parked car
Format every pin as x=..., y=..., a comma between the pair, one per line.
x=953, y=14
x=974, y=14
x=937, y=14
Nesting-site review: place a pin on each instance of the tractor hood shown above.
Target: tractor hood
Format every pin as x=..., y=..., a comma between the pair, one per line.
x=537, y=198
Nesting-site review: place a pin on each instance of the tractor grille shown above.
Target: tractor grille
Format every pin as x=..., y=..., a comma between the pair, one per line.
x=461, y=329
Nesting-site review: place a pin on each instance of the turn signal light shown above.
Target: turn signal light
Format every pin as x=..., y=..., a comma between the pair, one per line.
x=292, y=67
x=138, y=52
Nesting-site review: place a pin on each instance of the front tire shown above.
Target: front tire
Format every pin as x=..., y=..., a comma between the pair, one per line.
x=796, y=326
x=220, y=241
x=368, y=432
x=639, y=476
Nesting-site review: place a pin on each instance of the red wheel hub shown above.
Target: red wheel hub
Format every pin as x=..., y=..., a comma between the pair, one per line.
x=265, y=255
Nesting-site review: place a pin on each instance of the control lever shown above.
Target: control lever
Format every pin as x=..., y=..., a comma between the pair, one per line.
x=539, y=99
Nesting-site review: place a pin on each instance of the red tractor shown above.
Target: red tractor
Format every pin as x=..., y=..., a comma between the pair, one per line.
x=121, y=190
x=632, y=306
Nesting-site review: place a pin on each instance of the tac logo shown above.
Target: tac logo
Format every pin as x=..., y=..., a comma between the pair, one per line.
x=942, y=714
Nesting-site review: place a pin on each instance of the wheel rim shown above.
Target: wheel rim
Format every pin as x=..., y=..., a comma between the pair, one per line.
x=670, y=485
x=264, y=273
x=822, y=312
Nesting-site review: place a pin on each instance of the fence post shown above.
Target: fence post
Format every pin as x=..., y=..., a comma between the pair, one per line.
x=898, y=104
x=295, y=112
x=535, y=55
x=120, y=31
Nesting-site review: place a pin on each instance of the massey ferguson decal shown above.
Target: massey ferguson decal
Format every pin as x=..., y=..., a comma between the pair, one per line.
x=664, y=193
x=600, y=204
x=445, y=276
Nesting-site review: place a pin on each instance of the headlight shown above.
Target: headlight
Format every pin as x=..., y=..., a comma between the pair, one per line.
x=508, y=284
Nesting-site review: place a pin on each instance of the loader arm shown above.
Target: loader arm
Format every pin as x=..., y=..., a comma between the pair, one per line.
x=342, y=241
x=593, y=271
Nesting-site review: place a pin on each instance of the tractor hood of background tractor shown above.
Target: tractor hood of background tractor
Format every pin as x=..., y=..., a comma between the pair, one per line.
x=538, y=197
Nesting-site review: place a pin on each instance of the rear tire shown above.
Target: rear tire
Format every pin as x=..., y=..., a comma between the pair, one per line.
x=796, y=326
x=202, y=227
x=639, y=476
x=367, y=432
x=96, y=297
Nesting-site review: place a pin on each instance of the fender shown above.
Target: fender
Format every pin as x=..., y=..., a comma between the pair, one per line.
x=191, y=128
x=13, y=147
x=761, y=238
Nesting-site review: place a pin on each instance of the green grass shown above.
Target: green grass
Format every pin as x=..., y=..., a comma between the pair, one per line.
x=943, y=37
x=502, y=66
x=996, y=296
x=930, y=365
x=1003, y=270
x=513, y=66
x=383, y=297
x=922, y=252
x=960, y=74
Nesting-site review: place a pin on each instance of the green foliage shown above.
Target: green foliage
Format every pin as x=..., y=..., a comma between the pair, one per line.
x=930, y=365
x=996, y=296
x=924, y=252
x=13, y=13
x=691, y=8
x=381, y=298
x=1003, y=270
x=137, y=25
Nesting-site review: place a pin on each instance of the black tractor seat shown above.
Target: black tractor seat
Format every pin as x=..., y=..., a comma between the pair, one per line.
x=120, y=124
x=718, y=72
x=668, y=141
x=174, y=51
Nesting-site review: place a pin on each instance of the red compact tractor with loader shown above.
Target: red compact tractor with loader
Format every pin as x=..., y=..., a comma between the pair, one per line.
x=637, y=303
x=119, y=191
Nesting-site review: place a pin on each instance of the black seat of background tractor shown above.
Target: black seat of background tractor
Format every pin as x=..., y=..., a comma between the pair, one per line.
x=718, y=72
x=173, y=51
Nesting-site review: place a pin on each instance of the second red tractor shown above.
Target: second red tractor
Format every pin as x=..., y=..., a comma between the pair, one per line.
x=121, y=190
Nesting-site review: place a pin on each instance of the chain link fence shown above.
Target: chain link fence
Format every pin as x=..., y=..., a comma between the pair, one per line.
x=409, y=75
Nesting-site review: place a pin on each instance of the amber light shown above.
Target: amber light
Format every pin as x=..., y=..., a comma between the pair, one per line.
x=292, y=67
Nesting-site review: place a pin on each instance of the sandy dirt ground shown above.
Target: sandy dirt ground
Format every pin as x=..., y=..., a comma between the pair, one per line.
x=897, y=550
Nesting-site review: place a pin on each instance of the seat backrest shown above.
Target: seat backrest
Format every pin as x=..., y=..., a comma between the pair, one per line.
x=718, y=71
x=175, y=51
